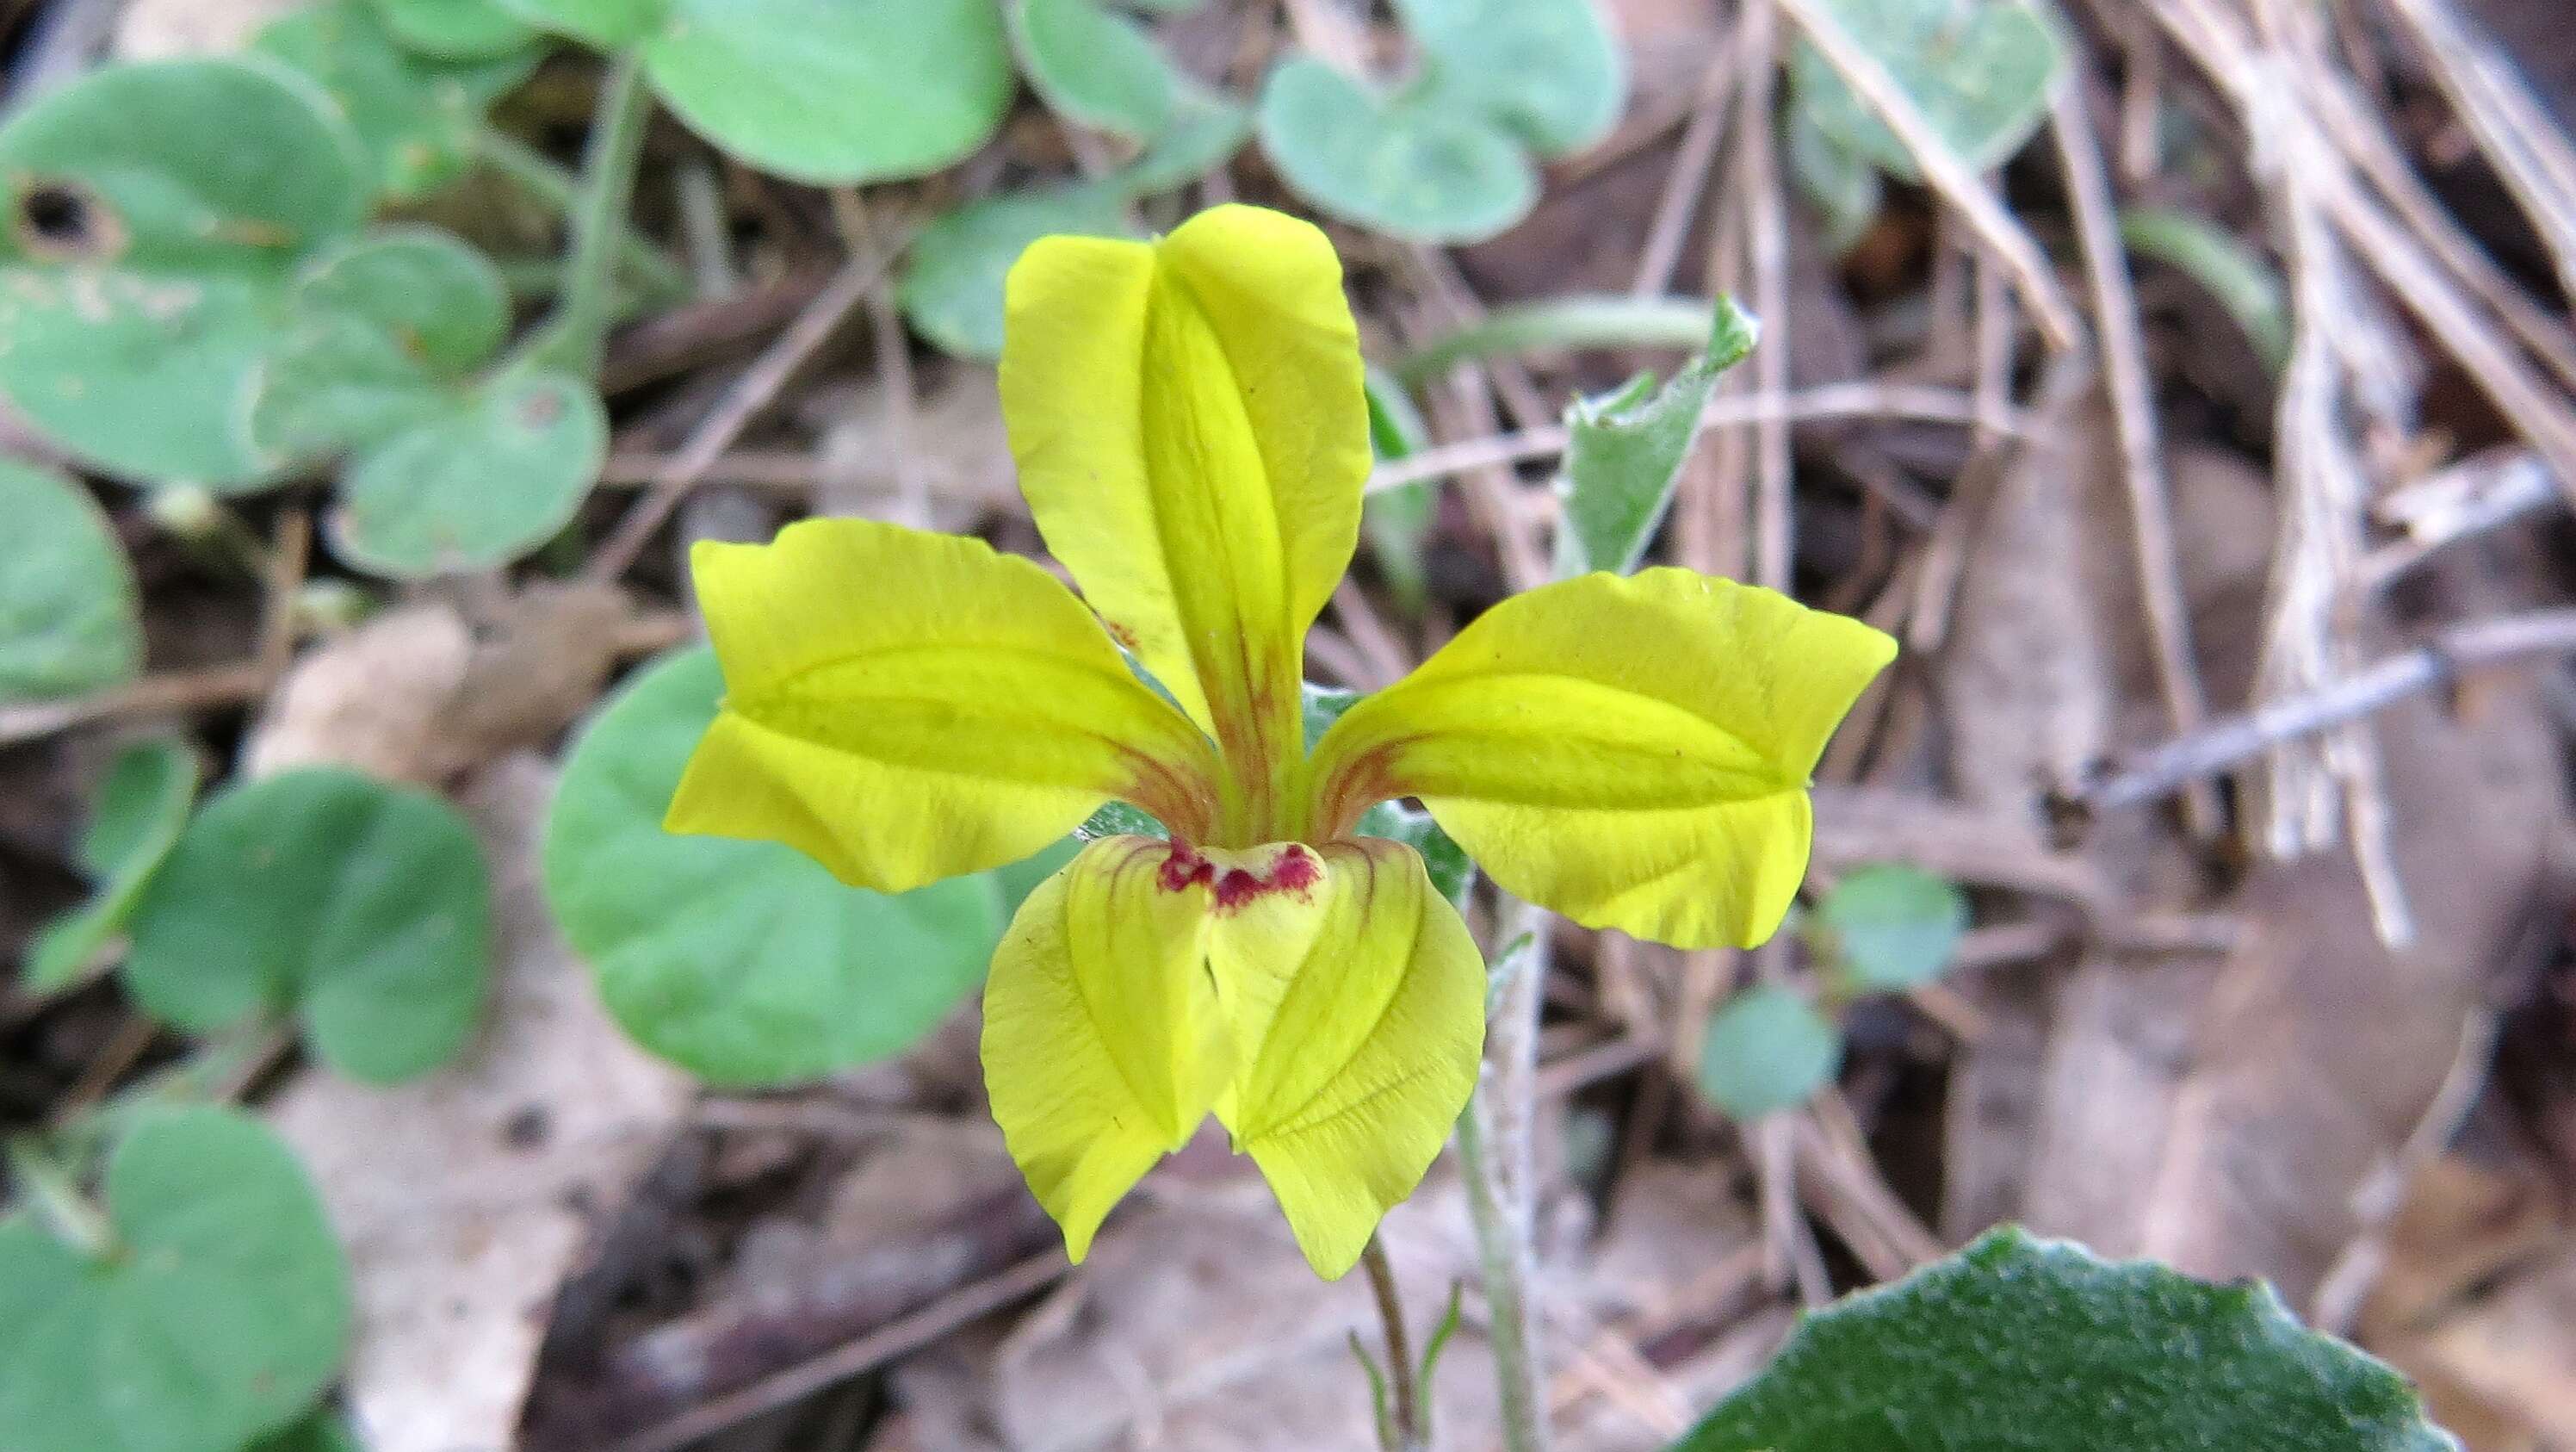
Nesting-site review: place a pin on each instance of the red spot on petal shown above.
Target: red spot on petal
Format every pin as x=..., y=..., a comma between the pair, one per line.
x=1296, y=871
x=1185, y=869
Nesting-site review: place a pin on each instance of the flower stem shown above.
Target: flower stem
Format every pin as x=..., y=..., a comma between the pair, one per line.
x=1410, y=1416
x=1494, y=1148
x=536, y=174
x=577, y=335
x=57, y=1200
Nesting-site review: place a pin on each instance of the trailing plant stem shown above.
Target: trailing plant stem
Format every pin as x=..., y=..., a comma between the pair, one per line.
x=1409, y=1415
x=537, y=175
x=1494, y=1149
x=578, y=334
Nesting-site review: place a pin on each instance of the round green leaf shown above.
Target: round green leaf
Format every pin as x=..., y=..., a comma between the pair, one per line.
x=361, y=907
x=744, y=962
x=222, y=1319
x=1548, y=69
x=1419, y=165
x=68, y=611
x=141, y=805
x=1093, y=66
x=1205, y=129
x=1767, y=1050
x=148, y=246
x=836, y=91
x=381, y=327
x=417, y=117
x=456, y=29
x=951, y=284
x=1979, y=70
x=606, y=24
x=479, y=486
x=443, y=300
x=1892, y=926
x=2022, y=1345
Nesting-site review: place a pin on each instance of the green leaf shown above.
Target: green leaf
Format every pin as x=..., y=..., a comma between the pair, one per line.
x=1838, y=181
x=743, y=962
x=222, y=1320
x=143, y=272
x=1422, y=165
x=134, y=820
x=606, y=24
x=2245, y=284
x=442, y=300
x=836, y=91
x=324, y=1431
x=1205, y=129
x=1767, y=1049
x=951, y=284
x=1627, y=449
x=2022, y=1345
x=1093, y=66
x=1547, y=69
x=1891, y=926
x=478, y=487
x=417, y=117
x=1396, y=522
x=360, y=907
x=456, y=29
x=69, y=616
x=384, y=327
x=1980, y=71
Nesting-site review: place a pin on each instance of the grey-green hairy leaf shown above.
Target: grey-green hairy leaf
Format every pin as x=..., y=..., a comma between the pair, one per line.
x=143, y=273
x=134, y=820
x=361, y=908
x=1980, y=71
x=220, y=1320
x=1421, y=164
x=1626, y=452
x=1547, y=69
x=1767, y=1049
x=69, y=617
x=2022, y=1345
x=1889, y=927
x=743, y=962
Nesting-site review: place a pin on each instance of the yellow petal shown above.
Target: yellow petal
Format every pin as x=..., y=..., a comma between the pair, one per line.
x=1102, y=1046
x=1355, y=1000
x=1192, y=437
x=1633, y=753
x=904, y=707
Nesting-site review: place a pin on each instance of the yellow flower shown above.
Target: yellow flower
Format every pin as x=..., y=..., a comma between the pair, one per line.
x=1192, y=438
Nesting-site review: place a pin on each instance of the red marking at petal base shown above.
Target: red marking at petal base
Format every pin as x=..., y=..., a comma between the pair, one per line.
x=1185, y=869
x=1295, y=871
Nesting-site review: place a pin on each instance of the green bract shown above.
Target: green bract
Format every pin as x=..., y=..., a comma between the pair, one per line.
x=1420, y=163
x=1093, y=66
x=143, y=273
x=743, y=962
x=220, y=1316
x=361, y=908
x=68, y=613
x=133, y=821
x=447, y=469
x=419, y=118
x=2020, y=1345
x=1626, y=450
x=1890, y=927
x=824, y=91
x=1980, y=71
x=1767, y=1050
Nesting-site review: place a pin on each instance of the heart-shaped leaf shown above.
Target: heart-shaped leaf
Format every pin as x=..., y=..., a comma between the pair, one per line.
x=2027, y=1345
x=1547, y=69
x=1421, y=164
x=1980, y=71
x=1767, y=1049
x=951, y=285
x=1205, y=128
x=385, y=329
x=1093, y=66
x=477, y=487
x=1626, y=452
x=744, y=962
x=69, y=617
x=360, y=907
x=221, y=1317
x=143, y=268
x=456, y=29
x=1889, y=927
x=134, y=820
x=418, y=117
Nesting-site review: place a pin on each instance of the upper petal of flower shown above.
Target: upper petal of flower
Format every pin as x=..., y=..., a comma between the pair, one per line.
x=1192, y=437
x=1633, y=753
x=905, y=706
